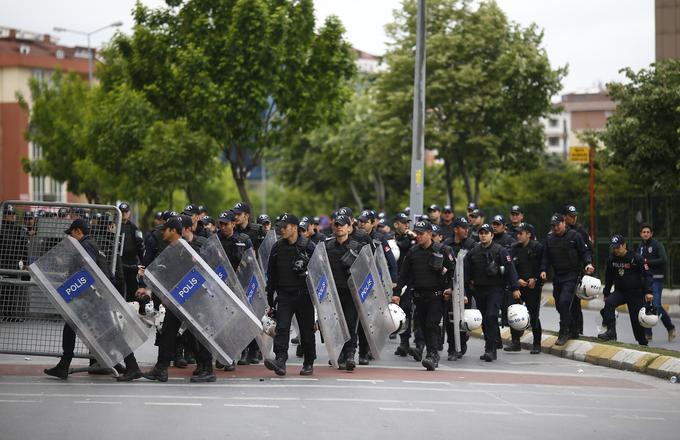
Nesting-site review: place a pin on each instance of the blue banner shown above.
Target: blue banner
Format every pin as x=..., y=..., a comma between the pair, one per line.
x=76, y=285
x=366, y=288
x=222, y=273
x=187, y=286
x=322, y=288
x=251, y=290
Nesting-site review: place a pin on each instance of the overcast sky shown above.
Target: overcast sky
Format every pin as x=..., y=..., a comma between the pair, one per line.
x=595, y=37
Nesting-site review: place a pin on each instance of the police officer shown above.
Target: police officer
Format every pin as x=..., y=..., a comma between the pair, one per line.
x=470, y=207
x=209, y=225
x=427, y=269
x=434, y=212
x=317, y=236
x=527, y=254
x=446, y=223
x=488, y=268
x=458, y=241
x=516, y=217
x=476, y=218
x=243, y=225
x=565, y=251
x=357, y=233
x=133, y=251
x=264, y=221
x=632, y=281
x=342, y=251
x=654, y=255
x=499, y=235
x=13, y=256
x=286, y=278
x=194, y=212
x=571, y=219
x=80, y=231
x=405, y=239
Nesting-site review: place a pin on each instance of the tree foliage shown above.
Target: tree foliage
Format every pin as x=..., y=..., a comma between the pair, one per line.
x=643, y=135
x=251, y=74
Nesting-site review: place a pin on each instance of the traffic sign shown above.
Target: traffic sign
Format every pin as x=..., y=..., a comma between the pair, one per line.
x=579, y=154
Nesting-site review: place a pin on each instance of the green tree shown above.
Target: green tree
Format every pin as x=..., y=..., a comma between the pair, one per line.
x=251, y=74
x=643, y=135
x=488, y=82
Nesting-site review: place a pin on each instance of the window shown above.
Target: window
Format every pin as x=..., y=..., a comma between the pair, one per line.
x=45, y=189
x=553, y=122
x=554, y=141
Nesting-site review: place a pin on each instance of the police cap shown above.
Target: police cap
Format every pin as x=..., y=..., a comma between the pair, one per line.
x=471, y=206
x=436, y=230
x=447, y=209
x=81, y=224
x=402, y=217
x=433, y=208
x=226, y=217
x=124, y=207
x=422, y=226
x=315, y=221
x=241, y=207
x=174, y=222
x=461, y=222
x=289, y=219
x=570, y=210
x=556, y=219
x=8, y=210
x=344, y=211
x=263, y=219
x=616, y=241
x=477, y=213
x=498, y=219
x=516, y=209
x=191, y=209
x=303, y=225
x=158, y=215
x=342, y=220
x=486, y=227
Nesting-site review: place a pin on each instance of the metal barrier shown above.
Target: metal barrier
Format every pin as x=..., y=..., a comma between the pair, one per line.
x=29, y=324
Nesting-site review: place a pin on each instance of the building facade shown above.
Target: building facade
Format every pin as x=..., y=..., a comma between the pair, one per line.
x=25, y=55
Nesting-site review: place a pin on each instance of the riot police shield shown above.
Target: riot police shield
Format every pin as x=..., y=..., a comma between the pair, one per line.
x=326, y=301
x=213, y=253
x=383, y=271
x=458, y=299
x=252, y=281
x=89, y=302
x=370, y=300
x=196, y=295
x=266, y=249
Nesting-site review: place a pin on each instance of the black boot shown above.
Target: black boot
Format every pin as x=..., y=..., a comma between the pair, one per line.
x=562, y=338
x=417, y=353
x=130, y=375
x=277, y=365
x=350, y=364
x=363, y=359
x=307, y=370
x=205, y=374
x=156, y=373
x=219, y=365
x=608, y=335
x=230, y=367
x=515, y=345
x=536, y=349
x=402, y=350
x=179, y=361
x=60, y=370
x=430, y=361
x=244, y=358
x=190, y=357
x=299, y=351
x=295, y=340
x=197, y=370
x=488, y=356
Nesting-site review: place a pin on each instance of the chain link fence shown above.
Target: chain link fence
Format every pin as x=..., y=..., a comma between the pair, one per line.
x=29, y=324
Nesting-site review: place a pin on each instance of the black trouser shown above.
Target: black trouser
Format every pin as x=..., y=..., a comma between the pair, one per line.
x=489, y=303
x=131, y=285
x=567, y=305
x=167, y=340
x=68, y=345
x=363, y=342
x=352, y=319
x=635, y=301
x=429, y=306
x=405, y=302
x=448, y=316
x=532, y=300
x=296, y=303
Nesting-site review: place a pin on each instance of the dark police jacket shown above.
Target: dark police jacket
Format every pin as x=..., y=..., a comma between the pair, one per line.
x=281, y=277
x=255, y=232
x=340, y=268
x=97, y=255
x=567, y=254
x=379, y=239
x=418, y=273
x=483, y=269
x=527, y=260
x=235, y=246
x=628, y=274
x=654, y=254
x=503, y=239
x=133, y=244
x=466, y=244
x=404, y=242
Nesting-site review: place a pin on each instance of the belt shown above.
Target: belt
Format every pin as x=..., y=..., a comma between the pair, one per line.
x=427, y=293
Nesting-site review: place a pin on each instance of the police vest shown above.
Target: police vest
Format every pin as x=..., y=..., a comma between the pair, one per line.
x=562, y=252
x=526, y=259
x=628, y=272
x=482, y=272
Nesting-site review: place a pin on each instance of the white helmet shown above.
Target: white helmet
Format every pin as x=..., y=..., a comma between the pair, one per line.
x=472, y=319
x=398, y=319
x=268, y=325
x=648, y=316
x=518, y=317
x=589, y=288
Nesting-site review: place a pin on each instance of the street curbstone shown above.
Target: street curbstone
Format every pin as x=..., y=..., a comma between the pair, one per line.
x=664, y=366
x=577, y=349
x=641, y=364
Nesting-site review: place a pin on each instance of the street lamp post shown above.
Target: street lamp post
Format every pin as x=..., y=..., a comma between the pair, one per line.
x=418, y=145
x=89, y=50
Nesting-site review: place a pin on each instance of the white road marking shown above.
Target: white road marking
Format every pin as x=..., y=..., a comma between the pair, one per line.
x=287, y=379
x=171, y=403
x=426, y=382
x=636, y=417
x=100, y=402
x=495, y=413
x=406, y=409
x=350, y=399
x=260, y=398
x=361, y=380
x=559, y=415
x=20, y=401
x=245, y=405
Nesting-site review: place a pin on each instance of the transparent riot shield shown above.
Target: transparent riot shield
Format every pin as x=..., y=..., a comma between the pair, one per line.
x=383, y=270
x=213, y=253
x=370, y=300
x=88, y=302
x=266, y=249
x=325, y=298
x=251, y=277
x=196, y=295
x=458, y=298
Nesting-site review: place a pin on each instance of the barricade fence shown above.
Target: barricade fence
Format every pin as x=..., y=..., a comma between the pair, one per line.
x=29, y=323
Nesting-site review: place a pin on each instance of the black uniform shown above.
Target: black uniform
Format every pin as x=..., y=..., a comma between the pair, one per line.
x=447, y=230
x=428, y=272
x=13, y=248
x=235, y=246
x=503, y=239
x=133, y=253
x=527, y=261
x=485, y=279
x=631, y=279
x=286, y=276
x=567, y=254
x=255, y=232
x=340, y=258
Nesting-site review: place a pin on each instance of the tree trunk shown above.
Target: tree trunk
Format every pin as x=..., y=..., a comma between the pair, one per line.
x=466, y=179
x=239, y=174
x=357, y=198
x=477, y=179
x=449, y=181
x=146, y=216
x=380, y=191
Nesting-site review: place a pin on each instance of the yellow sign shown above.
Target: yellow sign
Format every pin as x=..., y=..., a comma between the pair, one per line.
x=579, y=154
x=419, y=177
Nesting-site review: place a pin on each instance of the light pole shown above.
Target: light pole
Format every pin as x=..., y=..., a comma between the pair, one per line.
x=89, y=50
x=418, y=146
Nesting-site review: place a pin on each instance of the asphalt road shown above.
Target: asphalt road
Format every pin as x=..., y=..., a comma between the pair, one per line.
x=517, y=397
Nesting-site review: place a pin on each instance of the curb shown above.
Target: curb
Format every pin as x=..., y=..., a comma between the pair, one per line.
x=600, y=354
